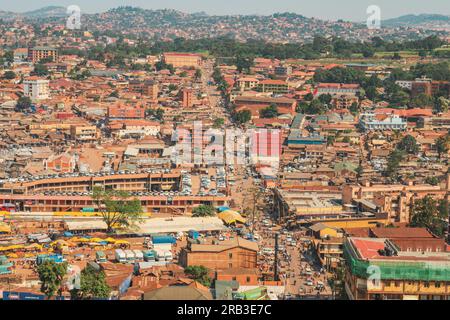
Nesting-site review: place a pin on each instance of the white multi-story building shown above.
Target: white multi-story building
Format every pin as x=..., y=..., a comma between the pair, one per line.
x=36, y=88
x=405, y=84
x=372, y=121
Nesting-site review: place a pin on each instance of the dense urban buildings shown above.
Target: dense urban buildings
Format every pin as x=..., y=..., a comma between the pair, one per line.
x=157, y=155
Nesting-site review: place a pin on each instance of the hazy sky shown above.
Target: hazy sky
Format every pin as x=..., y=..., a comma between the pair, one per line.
x=326, y=9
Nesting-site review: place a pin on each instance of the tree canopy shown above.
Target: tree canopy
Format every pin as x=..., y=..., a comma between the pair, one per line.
x=51, y=275
x=431, y=214
x=199, y=274
x=408, y=144
x=203, y=211
x=118, y=210
x=93, y=284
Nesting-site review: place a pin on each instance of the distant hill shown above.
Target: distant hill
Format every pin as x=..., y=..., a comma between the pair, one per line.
x=50, y=11
x=42, y=13
x=417, y=20
x=277, y=27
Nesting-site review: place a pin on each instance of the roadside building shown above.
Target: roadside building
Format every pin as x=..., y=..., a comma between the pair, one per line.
x=178, y=59
x=377, y=269
x=236, y=253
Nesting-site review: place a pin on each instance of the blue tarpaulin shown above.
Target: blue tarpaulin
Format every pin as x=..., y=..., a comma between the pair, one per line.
x=221, y=209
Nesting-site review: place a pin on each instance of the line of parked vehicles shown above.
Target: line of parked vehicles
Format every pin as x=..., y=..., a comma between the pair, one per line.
x=135, y=256
x=83, y=174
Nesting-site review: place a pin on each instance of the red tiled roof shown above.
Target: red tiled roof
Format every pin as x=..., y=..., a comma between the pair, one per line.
x=367, y=248
x=403, y=232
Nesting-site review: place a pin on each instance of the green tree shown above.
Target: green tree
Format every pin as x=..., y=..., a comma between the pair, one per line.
x=219, y=122
x=443, y=145
x=114, y=94
x=394, y=159
x=51, y=275
x=431, y=214
x=23, y=104
x=316, y=107
x=270, y=112
x=40, y=70
x=441, y=104
x=421, y=101
x=359, y=171
x=309, y=97
x=198, y=74
x=354, y=108
x=9, y=56
x=117, y=208
x=93, y=284
x=161, y=65
x=158, y=113
x=199, y=274
x=423, y=54
x=408, y=144
x=368, y=53
x=371, y=93
x=331, y=139
x=244, y=63
x=434, y=181
x=203, y=211
x=396, y=56
x=243, y=116
x=399, y=98
x=9, y=75
x=325, y=98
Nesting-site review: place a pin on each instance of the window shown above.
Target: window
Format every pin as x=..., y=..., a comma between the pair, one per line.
x=437, y=284
x=426, y=284
x=230, y=256
x=248, y=279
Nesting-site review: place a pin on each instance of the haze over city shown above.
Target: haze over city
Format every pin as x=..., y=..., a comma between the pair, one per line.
x=353, y=10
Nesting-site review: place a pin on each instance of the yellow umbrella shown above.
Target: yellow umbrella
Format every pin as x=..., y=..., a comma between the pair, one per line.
x=12, y=255
x=122, y=242
x=34, y=246
x=71, y=244
x=231, y=216
x=16, y=246
x=97, y=240
x=61, y=241
x=4, y=228
x=111, y=240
